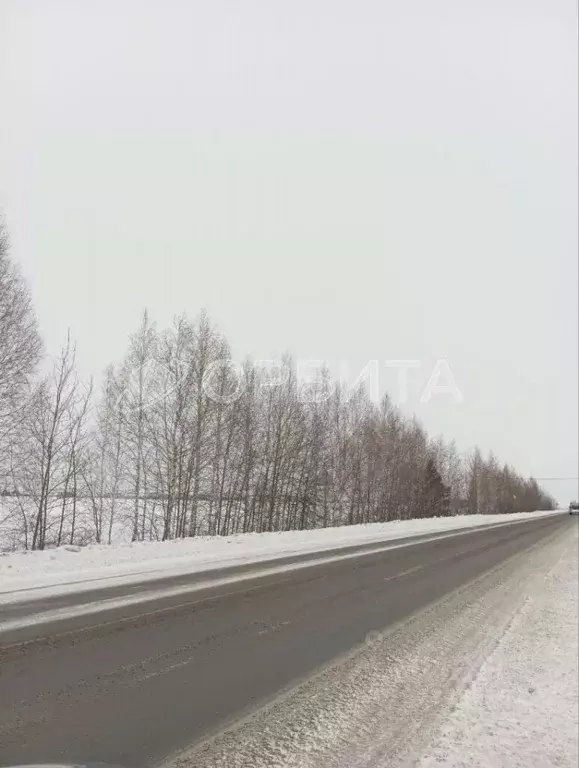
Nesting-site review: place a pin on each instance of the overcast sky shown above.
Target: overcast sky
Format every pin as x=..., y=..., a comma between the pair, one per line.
x=346, y=180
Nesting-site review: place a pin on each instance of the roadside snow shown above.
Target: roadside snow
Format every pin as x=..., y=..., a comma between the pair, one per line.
x=522, y=708
x=382, y=705
x=30, y=575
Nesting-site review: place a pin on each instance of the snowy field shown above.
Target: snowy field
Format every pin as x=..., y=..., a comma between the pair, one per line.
x=26, y=575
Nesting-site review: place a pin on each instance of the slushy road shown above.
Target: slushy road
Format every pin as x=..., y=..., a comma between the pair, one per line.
x=133, y=685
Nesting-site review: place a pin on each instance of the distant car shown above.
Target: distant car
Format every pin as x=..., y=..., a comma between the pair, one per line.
x=574, y=508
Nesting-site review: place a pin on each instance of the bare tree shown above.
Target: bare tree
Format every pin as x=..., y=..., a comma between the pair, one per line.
x=136, y=379
x=78, y=455
x=168, y=453
x=20, y=343
x=48, y=443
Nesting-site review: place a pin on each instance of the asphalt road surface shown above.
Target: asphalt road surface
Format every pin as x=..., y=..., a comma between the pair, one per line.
x=133, y=685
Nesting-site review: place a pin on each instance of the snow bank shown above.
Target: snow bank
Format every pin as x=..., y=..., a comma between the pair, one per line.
x=29, y=575
x=521, y=711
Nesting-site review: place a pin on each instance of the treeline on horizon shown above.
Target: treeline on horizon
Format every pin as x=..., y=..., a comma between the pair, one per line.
x=175, y=444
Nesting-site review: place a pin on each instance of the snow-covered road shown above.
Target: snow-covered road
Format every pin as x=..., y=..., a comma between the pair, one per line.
x=343, y=663
x=486, y=677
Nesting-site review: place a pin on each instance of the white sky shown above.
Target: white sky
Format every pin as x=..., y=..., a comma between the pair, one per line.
x=345, y=180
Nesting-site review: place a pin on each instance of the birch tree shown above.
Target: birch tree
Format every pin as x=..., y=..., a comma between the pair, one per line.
x=20, y=347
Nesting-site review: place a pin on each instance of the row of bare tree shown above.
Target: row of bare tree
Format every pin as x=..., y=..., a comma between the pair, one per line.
x=181, y=442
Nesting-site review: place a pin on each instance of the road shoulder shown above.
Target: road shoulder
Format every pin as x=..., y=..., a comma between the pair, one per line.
x=522, y=708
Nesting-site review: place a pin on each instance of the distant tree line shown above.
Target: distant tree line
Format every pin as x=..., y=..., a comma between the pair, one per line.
x=178, y=442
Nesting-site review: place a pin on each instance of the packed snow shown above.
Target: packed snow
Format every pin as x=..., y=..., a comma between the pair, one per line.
x=522, y=710
x=29, y=575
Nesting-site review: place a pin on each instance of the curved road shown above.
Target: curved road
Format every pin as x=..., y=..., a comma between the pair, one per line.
x=133, y=685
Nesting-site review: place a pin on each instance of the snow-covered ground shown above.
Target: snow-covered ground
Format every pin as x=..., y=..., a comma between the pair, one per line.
x=487, y=677
x=28, y=575
x=522, y=709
